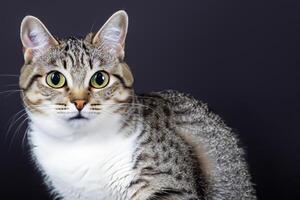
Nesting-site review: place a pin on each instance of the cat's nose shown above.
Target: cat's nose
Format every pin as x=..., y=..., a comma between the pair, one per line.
x=79, y=103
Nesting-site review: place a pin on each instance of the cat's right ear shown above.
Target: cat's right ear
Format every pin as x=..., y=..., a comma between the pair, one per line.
x=112, y=34
x=35, y=37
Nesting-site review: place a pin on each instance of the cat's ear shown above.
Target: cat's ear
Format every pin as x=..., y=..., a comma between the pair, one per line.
x=35, y=37
x=112, y=35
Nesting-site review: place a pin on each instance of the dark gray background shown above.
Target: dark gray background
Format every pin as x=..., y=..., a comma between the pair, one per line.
x=241, y=57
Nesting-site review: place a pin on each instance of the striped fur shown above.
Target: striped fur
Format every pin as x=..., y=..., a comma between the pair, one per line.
x=156, y=146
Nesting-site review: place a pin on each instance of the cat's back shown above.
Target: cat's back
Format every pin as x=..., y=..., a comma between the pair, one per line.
x=220, y=157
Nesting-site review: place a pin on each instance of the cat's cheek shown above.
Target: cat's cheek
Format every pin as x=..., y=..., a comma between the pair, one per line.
x=122, y=96
x=33, y=98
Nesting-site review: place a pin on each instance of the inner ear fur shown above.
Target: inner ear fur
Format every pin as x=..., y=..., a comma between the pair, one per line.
x=35, y=37
x=112, y=34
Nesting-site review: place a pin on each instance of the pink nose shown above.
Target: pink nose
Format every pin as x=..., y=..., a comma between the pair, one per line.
x=79, y=104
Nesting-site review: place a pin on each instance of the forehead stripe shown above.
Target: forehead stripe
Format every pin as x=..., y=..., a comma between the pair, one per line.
x=70, y=55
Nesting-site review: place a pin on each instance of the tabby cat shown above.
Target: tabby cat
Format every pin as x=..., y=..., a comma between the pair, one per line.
x=93, y=138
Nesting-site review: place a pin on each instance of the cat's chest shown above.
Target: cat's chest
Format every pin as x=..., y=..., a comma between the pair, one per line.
x=99, y=168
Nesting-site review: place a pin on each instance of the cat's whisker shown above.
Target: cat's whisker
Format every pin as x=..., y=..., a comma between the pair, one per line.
x=15, y=92
x=133, y=105
x=36, y=107
x=19, y=115
x=9, y=75
x=142, y=97
x=25, y=135
x=9, y=85
x=92, y=27
x=13, y=120
x=123, y=120
x=9, y=91
x=15, y=134
x=125, y=105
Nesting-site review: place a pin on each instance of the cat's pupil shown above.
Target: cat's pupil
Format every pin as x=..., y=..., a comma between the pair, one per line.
x=55, y=78
x=99, y=78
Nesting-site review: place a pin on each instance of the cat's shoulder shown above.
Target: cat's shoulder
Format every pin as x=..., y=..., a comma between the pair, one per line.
x=176, y=98
x=173, y=97
x=177, y=101
x=183, y=104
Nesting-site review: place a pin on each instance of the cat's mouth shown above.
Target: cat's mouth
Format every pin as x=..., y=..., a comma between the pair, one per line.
x=79, y=116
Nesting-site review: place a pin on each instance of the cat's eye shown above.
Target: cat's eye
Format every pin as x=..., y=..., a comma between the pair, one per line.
x=55, y=79
x=99, y=80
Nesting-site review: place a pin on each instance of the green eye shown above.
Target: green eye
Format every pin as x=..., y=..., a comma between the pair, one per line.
x=99, y=80
x=55, y=79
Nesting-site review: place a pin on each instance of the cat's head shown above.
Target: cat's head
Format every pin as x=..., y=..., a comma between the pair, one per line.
x=74, y=82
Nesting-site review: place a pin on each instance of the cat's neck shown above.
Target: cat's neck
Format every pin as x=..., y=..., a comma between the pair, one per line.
x=71, y=164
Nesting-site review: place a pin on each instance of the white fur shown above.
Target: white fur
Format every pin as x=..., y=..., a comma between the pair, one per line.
x=93, y=164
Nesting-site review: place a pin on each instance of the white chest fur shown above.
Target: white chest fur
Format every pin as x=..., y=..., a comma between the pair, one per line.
x=95, y=167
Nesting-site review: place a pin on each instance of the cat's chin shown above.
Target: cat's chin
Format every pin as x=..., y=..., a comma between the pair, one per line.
x=78, y=122
x=78, y=117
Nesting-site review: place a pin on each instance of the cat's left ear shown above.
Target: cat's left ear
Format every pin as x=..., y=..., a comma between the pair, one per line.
x=112, y=35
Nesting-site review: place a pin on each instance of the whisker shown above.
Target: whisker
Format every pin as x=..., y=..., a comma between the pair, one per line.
x=10, y=92
x=13, y=121
x=8, y=85
x=15, y=134
x=92, y=27
x=25, y=137
x=7, y=91
x=123, y=120
x=9, y=75
x=19, y=115
x=134, y=105
x=143, y=97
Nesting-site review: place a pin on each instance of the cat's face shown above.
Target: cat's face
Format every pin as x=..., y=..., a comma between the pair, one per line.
x=75, y=82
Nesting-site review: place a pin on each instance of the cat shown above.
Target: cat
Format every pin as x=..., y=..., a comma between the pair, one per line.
x=93, y=138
